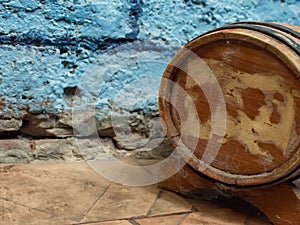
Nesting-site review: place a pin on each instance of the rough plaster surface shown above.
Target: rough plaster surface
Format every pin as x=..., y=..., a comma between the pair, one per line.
x=110, y=53
x=179, y=21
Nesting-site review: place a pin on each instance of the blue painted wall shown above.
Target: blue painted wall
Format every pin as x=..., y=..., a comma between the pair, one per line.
x=48, y=48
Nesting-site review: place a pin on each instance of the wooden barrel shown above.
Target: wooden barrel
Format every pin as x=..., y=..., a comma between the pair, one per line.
x=257, y=68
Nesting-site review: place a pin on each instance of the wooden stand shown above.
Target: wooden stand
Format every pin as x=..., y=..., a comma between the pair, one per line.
x=280, y=203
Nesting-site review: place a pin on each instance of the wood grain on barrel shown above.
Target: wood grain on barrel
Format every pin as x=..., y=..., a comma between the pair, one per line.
x=258, y=76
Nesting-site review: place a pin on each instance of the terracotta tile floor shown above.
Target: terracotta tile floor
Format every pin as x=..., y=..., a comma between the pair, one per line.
x=72, y=193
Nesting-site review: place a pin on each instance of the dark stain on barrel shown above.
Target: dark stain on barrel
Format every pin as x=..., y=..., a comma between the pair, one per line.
x=278, y=97
x=200, y=103
x=275, y=116
x=275, y=151
x=253, y=99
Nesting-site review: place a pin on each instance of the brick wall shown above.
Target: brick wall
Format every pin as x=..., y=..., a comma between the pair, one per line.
x=105, y=55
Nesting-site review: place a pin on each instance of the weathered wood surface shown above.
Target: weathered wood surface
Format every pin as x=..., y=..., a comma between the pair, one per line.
x=259, y=154
x=259, y=78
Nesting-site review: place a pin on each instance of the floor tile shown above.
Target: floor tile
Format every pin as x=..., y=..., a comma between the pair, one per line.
x=123, y=202
x=73, y=193
x=215, y=217
x=127, y=172
x=62, y=190
x=169, y=203
x=163, y=220
x=14, y=214
x=115, y=222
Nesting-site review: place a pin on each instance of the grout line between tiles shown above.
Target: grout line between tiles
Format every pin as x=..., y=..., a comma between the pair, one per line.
x=35, y=209
x=93, y=205
x=170, y=214
x=183, y=219
x=132, y=218
x=133, y=222
x=157, y=197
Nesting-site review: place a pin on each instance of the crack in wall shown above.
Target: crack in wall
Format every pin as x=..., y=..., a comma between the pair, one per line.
x=135, y=13
x=64, y=43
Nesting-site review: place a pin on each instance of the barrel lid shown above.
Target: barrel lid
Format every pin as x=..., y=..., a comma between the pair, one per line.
x=250, y=133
